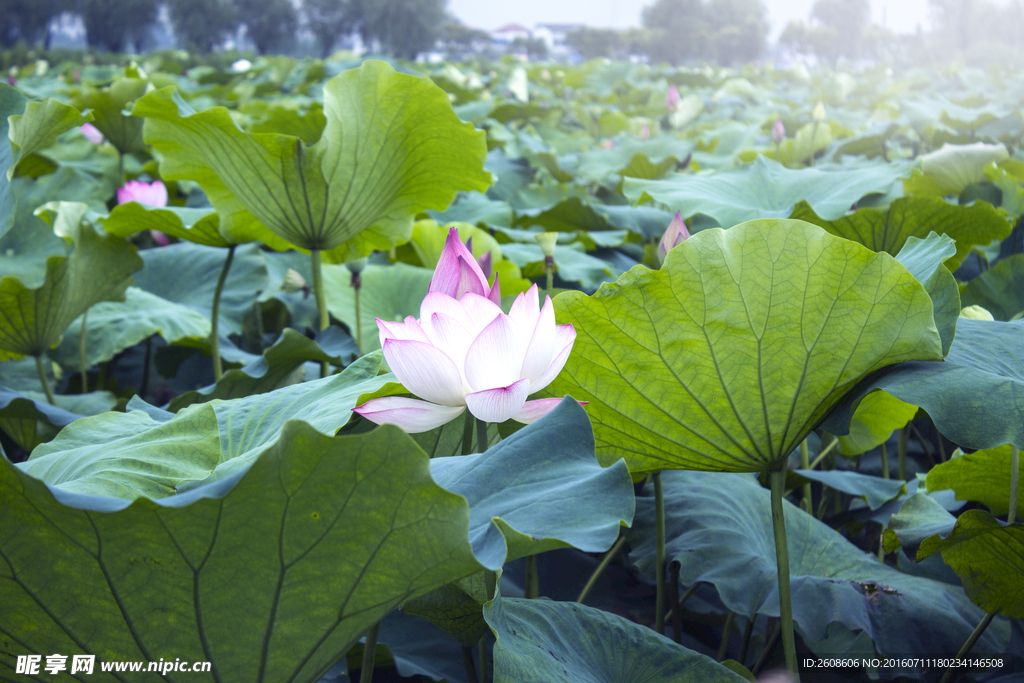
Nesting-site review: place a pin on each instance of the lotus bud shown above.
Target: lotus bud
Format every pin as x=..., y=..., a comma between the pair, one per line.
x=150, y=194
x=293, y=282
x=672, y=98
x=458, y=272
x=92, y=134
x=42, y=66
x=819, y=112
x=976, y=312
x=159, y=238
x=645, y=132
x=608, y=144
x=778, y=131
x=674, y=235
x=12, y=76
x=241, y=66
x=547, y=241
x=356, y=267
x=486, y=264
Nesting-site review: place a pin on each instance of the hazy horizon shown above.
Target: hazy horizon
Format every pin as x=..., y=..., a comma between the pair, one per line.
x=900, y=16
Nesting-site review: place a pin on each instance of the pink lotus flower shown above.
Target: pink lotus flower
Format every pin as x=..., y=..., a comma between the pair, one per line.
x=674, y=235
x=465, y=353
x=672, y=98
x=608, y=144
x=92, y=133
x=778, y=131
x=151, y=194
x=457, y=272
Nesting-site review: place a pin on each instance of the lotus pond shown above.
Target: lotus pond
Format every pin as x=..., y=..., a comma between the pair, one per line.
x=325, y=370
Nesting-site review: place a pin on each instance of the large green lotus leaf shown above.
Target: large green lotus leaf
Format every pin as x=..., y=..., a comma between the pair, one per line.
x=888, y=229
x=280, y=365
x=330, y=544
x=391, y=148
x=874, y=421
x=988, y=556
x=29, y=421
x=975, y=398
x=540, y=640
x=193, y=225
x=597, y=164
x=727, y=541
x=187, y=274
x=98, y=269
x=113, y=326
x=333, y=533
x=875, y=491
x=131, y=455
x=765, y=189
x=389, y=293
x=999, y=290
x=475, y=208
x=39, y=126
x=107, y=105
x=727, y=357
x=920, y=517
x=954, y=167
x=12, y=102
x=926, y=260
x=982, y=476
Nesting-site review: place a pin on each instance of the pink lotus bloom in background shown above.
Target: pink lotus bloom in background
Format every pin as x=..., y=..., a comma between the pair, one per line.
x=457, y=272
x=778, y=131
x=92, y=133
x=608, y=144
x=672, y=98
x=674, y=235
x=150, y=194
x=465, y=353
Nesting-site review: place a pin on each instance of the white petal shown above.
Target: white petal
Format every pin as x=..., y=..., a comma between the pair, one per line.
x=425, y=371
x=540, y=347
x=526, y=308
x=435, y=302
x=408, y=413
x=479, y=311
x=534, y=410
x=448, y=335
x=498, y=404
x=565, y=335
x=410, y=329
x=494, y=359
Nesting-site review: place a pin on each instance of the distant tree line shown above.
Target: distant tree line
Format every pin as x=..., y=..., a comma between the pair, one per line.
x=403, y=28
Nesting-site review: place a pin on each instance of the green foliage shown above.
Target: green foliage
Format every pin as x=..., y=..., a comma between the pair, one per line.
x=982, y=476
x=202, y=24
x=270, y=24
x=112, y=24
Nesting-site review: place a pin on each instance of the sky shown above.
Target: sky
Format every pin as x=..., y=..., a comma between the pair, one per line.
x=901, y=16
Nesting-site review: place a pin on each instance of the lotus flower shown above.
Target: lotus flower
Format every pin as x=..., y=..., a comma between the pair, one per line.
x=457, y=272
x=672, y=98
x=778, y=132
x=674, y=235
x=465, y=353
x=92, y=133
x=150, y=194
x=240, y=65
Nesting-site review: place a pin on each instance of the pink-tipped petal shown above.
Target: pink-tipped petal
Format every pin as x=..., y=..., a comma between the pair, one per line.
x=540, y=347
x=494, y=358
x=536, y=409
x=486, y=264
x=526, y=308
x=448, y=275
x=409, y=329
x=408, y=413
x=479, y=311
x=470, y=280
x=436, y=302
x=425, y=371
x=495, y=294
x=159, y=238
x=92, y=133
x=565, y=336
x=498, y=404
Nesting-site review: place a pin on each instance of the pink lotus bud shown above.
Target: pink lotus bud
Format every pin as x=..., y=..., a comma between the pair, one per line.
x=457, y=272
x=608, y=144
x=778, y=131
x=92, y=134
x=645, y=132
x=150, y=194
x=11, y=80
x=159, y=238
x=674, y=235
x=466, y=354
x=672, y=98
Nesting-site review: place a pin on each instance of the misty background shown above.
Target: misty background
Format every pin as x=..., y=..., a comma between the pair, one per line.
x=725, y=32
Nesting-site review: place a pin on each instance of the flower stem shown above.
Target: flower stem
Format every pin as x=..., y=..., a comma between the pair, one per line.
x=531, y=583
x=482, y=652
x=607, y=560
x=969, y=644
x=901, y=453
x=82, y=367
x=359, y=318
x=659, y=554
x=321, y=300
x=481, y=436
x=673, y=596
x=807, y=502
x=723, y=648
x=467, y=434
x=824, y=452
x=42, y=380
x=778, y=481
x=1011, y=515
x=218, y=367
x=467, y=661
x=549, y=268
x=369, y=654
x=885, y=462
